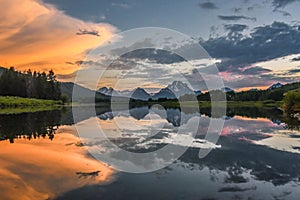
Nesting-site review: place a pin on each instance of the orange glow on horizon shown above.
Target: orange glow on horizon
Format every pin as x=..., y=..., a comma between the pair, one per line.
x=249, y=88
x=252, y=119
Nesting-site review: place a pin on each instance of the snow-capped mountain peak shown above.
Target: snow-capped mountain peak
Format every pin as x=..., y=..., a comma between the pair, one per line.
x=108, y=91
x=179, y=88
x=275, y=86
x=226, y=89
x=172, y=91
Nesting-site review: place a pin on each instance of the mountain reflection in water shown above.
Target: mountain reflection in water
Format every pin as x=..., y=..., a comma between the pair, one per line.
x=257, y=156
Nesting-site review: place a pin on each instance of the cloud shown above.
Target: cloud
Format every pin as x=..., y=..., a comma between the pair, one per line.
x=235, y=30
x=255, y=71
x=294, y=71
x=235, y=17
x=284, y=13
x=86, y=32
x=121, y=5
x=73, y=159
x=67, y=77
x=246, y=59
x=295, y=59
x=235, y=27
x=282, y=3
x=237, y=10
x=250, y=8
x=237, y=80
x=154, y=55
x=207, y=5
x=34, y=33
x=264, y=43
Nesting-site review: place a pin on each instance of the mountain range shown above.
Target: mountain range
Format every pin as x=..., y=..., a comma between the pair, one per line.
x=172, y=91
x=175, y=90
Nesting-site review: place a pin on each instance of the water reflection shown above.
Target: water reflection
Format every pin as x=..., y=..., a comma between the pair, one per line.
x=257, y=155
x=245, y=167
x=29, y=125
x=45, y=169
x=45, y=123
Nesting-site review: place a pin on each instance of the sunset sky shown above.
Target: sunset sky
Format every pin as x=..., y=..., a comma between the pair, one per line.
x=253, y=43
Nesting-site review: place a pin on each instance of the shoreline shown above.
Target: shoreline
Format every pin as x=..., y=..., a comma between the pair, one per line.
x=18, y=105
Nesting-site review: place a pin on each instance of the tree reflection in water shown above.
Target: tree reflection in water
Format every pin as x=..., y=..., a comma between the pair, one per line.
x=29, y=125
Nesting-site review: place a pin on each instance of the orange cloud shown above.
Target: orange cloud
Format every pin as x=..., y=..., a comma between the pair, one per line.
x=39, y=36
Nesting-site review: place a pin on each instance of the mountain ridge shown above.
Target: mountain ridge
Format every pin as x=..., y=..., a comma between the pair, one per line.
x=174, y=90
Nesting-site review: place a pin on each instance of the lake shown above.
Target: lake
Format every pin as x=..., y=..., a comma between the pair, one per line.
x=257, y=155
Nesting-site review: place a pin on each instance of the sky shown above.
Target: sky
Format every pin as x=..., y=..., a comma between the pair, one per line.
x=253, y=43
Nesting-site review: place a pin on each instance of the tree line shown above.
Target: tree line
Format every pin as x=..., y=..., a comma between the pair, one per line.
x=29, y=84
x=252, y=95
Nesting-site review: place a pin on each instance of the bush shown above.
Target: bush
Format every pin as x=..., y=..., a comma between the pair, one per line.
x=292, y=102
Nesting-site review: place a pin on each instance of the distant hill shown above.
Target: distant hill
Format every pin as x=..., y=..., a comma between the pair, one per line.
x=275, y=92
x=164, y=93
x=137, y=94
x=140, y=94
x=86, y=95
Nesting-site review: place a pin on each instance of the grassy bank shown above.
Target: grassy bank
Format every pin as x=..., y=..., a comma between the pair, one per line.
x=20, y=110
x=15, y=105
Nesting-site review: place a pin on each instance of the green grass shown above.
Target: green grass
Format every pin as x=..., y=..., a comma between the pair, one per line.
x=19, y=110
x=16, y=105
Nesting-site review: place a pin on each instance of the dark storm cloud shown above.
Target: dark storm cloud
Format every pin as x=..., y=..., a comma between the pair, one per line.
x=255, y=71
x=295, y=59
x=86, y=32
x=282, y=3
x=236, y=50
x=154, y=55
x=276, y=78
x=207, y=5
x=69, y=63
x=235, y=27
x=83, y=62
x=237, y=10
x=80, y=62
x=250, y=8
x=235, y=30
x=294, y=71
x=264, y=43
x=235, y=17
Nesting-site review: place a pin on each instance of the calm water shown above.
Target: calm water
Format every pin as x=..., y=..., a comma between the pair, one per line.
x=257, y=155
